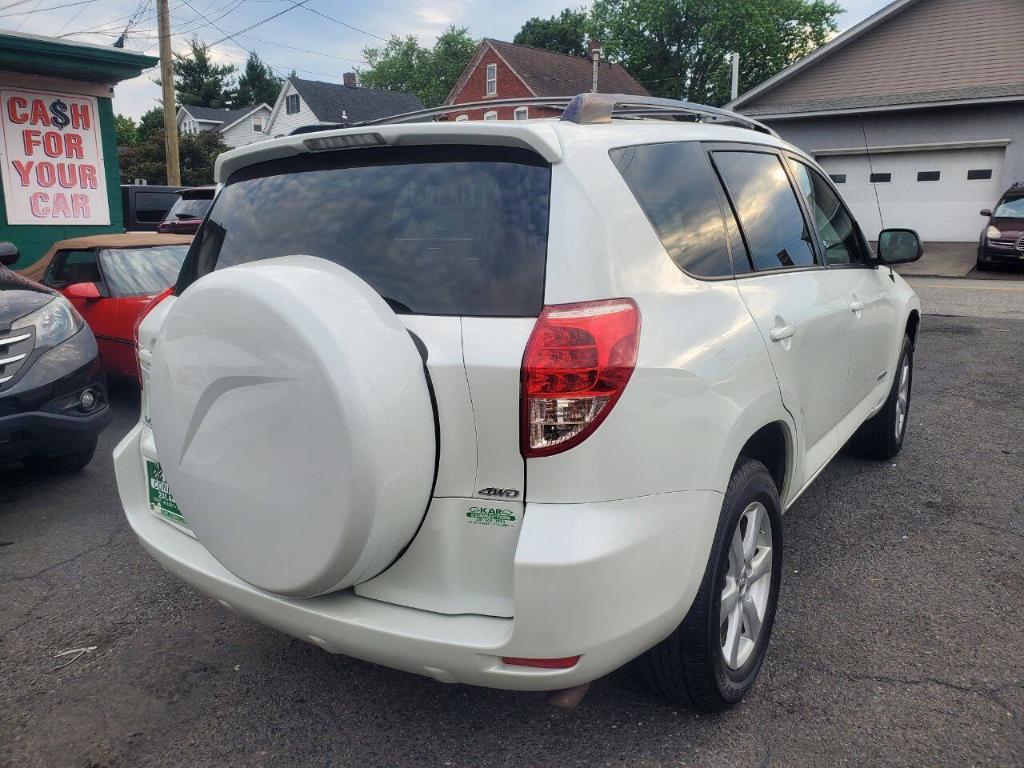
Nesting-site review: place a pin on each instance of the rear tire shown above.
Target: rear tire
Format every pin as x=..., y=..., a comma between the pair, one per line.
x=66, y=464
x=881, y=436
x=690, y=665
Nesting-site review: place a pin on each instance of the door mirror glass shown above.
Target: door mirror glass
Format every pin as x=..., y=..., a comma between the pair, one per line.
x=87, y=291
x=986, y=211
x=899, y=246
x=8, y=254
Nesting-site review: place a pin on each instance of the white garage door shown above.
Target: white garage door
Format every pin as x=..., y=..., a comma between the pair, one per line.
x=927, y=191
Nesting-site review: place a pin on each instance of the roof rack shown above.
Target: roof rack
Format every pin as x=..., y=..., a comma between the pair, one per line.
x=592, y=108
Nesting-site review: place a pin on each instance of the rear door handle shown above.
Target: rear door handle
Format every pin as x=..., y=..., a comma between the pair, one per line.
x=856, y=305
x=782, y=332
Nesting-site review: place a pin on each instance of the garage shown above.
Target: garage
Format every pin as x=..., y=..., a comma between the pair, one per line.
x=938, y=192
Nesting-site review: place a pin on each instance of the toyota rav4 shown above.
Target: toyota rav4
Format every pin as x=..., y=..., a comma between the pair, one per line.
x=515, y=403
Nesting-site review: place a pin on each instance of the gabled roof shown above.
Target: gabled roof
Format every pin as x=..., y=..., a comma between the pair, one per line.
x=910, y=54
x=336, y=103
x=214, y=115
x=548, y=73
x=833, y=45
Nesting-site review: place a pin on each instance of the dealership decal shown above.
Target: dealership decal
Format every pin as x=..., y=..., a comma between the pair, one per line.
x=52, y=157
x=503, y=518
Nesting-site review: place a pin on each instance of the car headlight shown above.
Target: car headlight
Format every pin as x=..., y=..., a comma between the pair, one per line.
x=54, y=322
x=992, y=233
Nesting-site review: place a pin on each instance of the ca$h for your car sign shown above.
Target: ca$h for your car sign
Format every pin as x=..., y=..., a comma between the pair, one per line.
x=52, y=159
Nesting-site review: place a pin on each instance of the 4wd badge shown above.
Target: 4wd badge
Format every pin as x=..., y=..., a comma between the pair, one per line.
x=503, y=518
x=507, y=493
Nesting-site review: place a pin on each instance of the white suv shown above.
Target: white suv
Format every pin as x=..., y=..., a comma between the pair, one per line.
x=514, y=403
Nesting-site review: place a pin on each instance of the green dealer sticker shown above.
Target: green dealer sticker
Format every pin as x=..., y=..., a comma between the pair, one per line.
x=503, y=518
x=160, y=499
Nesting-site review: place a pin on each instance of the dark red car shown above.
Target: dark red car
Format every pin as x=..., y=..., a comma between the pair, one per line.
x=188, y=211
x=1002, y=242
x=110, y=279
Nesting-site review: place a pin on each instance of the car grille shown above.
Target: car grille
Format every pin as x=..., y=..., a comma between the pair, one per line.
x=1020, y=244
x=15, y=347
x=1003, y=242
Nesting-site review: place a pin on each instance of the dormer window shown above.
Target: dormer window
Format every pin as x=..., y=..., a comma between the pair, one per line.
x=492, y=79
x=291, y=104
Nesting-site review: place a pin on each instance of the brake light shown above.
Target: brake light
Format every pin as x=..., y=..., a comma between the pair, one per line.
x=147, y=309
x=577, y=363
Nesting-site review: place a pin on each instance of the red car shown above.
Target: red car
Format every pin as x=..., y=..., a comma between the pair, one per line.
x=188, y=211
x=110, y=279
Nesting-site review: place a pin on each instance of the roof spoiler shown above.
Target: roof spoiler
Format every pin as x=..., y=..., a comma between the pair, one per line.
x=585, y=108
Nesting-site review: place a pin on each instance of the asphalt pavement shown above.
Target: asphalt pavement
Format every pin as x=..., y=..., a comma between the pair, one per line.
x=898, y=639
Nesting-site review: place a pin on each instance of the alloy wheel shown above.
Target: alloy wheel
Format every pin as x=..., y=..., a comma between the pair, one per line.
x=748, y=584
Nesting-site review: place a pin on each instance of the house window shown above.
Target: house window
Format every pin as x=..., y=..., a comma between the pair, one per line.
x=928, y=175
x=522, y=113
x=838, y=178
x=881, y=178
x=492, y=79
x=461, y=118
x=291, y=104
x=979, y=174
x=257, y=123
x=492, y=115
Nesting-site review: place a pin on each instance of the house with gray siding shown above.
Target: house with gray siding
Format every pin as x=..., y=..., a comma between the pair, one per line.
x=238, y=127
x=917, y=113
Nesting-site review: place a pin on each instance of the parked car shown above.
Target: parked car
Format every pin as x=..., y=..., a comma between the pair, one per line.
x=53, y=397
x=110, y=279
x=188, y=211
x=1002, y=240
x=144, y=206
x=512, y=404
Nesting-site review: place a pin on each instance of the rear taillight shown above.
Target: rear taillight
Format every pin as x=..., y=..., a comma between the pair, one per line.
x=147, y=309
x=577, y=362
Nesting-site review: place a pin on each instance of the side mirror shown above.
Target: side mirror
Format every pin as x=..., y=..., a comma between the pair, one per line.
x=87, y=291
x=986, y=212
x=899, y=246
x=9, y=253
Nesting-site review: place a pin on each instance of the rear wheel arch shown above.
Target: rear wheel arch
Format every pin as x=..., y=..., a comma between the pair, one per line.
x=772, y=446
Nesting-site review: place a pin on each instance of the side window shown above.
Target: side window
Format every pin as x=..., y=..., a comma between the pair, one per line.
x=766, y=205
x=70, y=267
x=674, y=184
x=838, y=234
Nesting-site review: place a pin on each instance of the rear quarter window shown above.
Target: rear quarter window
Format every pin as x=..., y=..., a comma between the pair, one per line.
x=435, y=230
x=678, y=191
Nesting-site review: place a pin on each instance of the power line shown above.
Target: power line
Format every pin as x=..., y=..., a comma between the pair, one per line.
x=262, y=21
x=37, y=9
x=339, y=21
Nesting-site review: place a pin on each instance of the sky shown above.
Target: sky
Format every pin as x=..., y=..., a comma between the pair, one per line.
x=318, y=48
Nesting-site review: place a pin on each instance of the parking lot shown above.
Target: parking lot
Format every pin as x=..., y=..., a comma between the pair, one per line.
x=898, y=638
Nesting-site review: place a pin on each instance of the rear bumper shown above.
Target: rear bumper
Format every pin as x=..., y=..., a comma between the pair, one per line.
x=605, y=581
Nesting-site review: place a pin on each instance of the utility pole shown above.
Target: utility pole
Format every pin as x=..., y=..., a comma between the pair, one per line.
x=167, y=82
x=735, y=91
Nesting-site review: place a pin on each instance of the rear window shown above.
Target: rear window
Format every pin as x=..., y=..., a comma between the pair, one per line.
x=434, y=230
x=189, y=208
x=151, y=206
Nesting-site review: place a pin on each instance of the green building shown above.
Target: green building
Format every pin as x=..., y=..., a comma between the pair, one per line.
x=58, y=144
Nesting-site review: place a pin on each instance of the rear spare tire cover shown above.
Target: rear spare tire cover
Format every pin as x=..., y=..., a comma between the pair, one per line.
x=293, y=423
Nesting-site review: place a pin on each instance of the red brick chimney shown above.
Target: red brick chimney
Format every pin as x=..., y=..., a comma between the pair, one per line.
x=349, y=78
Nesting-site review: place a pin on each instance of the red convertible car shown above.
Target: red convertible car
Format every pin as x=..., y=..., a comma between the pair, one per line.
x=110, y=279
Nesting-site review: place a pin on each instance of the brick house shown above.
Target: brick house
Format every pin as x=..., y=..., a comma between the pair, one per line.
x=500, y=70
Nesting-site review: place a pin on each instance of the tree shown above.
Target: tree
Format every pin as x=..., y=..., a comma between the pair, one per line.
x=678, y=48
x=197, y=152
x=565, y=33
x=429, y=73
x=198, y=82
x=257, y=84
x=151, y=122
x=126, y=131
